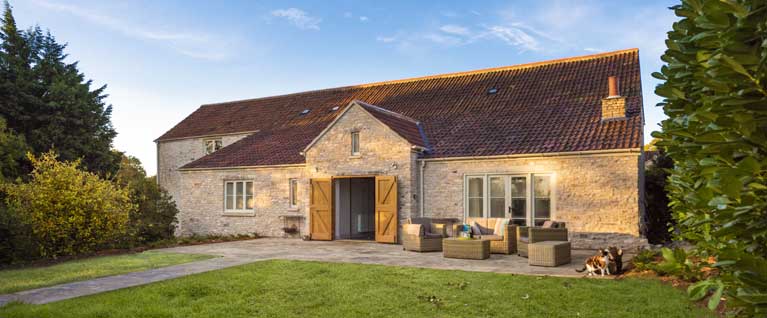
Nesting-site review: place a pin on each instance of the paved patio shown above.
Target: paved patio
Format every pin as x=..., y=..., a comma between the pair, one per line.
x=362, y=252
x=243, y=252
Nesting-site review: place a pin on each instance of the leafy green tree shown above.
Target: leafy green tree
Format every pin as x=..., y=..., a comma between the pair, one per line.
x=715, y=95
x=155, y=218
x=12, y=152
x=69, y=211
x=50, y=103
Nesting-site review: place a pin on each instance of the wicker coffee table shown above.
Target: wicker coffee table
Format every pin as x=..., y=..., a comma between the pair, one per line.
x=548, y=253
x=465, y=249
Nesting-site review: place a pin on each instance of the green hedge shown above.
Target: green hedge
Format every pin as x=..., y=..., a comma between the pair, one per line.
x=715, y=95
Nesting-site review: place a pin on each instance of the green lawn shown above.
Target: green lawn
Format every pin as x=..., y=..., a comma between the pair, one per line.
x=313, y=289
x=88, y=268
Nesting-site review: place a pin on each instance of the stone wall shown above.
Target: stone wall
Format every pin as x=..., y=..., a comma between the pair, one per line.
x=597, y=195
x=201, y=204
x=382, y=152
x=174, y=154
x=613, y=107
x=200, y=196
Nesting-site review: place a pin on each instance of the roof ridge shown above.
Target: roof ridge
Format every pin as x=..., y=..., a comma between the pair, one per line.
x=389, y=112
x=445, y=75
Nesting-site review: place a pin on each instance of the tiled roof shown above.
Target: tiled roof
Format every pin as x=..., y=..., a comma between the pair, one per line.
x=543, y=107
x=408, y=128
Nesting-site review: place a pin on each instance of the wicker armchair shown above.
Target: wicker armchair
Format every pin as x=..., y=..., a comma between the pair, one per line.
x=528, y=235
x=506, y=244
x=420, y=235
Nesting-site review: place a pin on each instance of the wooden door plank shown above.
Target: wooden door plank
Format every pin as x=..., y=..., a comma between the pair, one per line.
x=321, y=210
x=386, y=209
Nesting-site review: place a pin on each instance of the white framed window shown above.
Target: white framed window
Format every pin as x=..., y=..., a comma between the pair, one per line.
x=212, y=145
x=355, y=143
x=293, y=193
x=238, y=196
x=541, y=199
x=475, y=197
x=524, y=198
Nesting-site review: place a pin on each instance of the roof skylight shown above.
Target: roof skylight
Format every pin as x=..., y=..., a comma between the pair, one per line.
x=305, y=111
x=492, y=90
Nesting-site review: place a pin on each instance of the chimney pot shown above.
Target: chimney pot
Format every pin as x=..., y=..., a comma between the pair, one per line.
x=612, y=85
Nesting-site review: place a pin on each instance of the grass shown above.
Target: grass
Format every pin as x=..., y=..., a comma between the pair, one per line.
x=313, y=289
x=14, y=280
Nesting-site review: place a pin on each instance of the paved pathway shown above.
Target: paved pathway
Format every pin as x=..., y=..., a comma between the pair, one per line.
x=243, y=252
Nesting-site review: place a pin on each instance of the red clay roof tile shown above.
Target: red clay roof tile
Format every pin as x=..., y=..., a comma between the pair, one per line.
x=543, y=107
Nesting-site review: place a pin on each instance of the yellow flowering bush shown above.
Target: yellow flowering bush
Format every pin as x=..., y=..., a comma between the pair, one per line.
x=69, y=211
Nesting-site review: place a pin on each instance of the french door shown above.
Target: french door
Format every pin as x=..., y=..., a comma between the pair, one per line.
x=525, y=198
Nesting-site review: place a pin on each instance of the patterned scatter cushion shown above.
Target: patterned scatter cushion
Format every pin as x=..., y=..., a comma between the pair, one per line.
x=548, y=224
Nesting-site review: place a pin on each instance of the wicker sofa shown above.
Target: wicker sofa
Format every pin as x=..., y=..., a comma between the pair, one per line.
x=423, y=235
x=529, y=235
x=499, y=244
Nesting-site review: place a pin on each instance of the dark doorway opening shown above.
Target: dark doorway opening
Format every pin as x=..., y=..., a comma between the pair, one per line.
x=354, y=208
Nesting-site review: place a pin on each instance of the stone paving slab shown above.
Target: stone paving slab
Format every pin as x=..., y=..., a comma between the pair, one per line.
x=243, y=252
x=109, y=283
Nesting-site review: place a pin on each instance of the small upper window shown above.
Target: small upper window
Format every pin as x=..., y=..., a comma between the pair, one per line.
x=293, y=193
x=355, y=143
x=212, y=145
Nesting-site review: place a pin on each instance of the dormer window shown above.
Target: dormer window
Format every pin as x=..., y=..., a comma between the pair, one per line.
x=355, y=143
x=212, y=145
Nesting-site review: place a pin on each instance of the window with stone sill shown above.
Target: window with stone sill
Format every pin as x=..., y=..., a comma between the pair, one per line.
x=293, y=193
x=355, y=143
x=212, y=145
x=238, y=196
x=524, y=198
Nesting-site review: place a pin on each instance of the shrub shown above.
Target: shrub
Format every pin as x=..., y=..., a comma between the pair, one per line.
x=155, y=216
x=677, y=263
x=715, y=94
x=659, y=220
x=645, y=259
x=670, y=262
x=68, y=211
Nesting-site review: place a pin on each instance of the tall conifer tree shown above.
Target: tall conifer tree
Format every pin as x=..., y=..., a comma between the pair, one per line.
x=49, y=101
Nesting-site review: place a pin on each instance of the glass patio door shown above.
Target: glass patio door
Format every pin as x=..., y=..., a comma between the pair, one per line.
x=523, y=198
x=497, y=197
x=518, y=205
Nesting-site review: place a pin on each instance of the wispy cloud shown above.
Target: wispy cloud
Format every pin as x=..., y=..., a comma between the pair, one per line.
x=192, y=44
x=364, y=18
x=455, y=35
x=513, y=36
x=298, y=18
x=386, y=39
x=454, y=29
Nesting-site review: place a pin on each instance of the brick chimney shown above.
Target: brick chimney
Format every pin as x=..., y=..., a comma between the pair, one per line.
x=614, y=105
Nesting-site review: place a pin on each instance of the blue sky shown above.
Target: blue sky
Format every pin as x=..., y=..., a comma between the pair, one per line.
x=162, y=59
